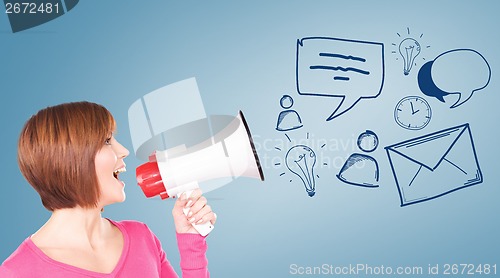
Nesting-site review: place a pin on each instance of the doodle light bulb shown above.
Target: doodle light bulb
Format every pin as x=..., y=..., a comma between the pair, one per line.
x=300, y=160
x=409, y=49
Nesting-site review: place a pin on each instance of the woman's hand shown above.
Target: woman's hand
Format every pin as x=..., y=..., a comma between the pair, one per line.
x=199, y=212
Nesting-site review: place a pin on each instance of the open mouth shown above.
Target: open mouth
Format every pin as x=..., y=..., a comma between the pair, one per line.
x=118, y=171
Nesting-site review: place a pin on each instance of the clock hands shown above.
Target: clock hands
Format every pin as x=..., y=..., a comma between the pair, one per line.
x=412, y=110
x=416, y=118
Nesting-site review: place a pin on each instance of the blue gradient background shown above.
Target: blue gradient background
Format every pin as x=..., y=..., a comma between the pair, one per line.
x=243, y=56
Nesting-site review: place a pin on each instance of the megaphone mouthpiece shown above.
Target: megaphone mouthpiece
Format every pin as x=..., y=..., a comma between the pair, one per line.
x=149, y=179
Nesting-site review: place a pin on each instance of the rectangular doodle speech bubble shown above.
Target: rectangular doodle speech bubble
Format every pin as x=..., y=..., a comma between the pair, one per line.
x=348, y=69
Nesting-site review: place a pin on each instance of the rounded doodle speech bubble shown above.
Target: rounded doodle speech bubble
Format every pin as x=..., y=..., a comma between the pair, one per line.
x=457, y=71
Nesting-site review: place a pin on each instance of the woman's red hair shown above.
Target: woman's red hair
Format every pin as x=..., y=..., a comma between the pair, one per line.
x=57, y=149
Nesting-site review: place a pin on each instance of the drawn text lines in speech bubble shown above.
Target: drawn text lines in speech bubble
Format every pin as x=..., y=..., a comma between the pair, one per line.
x=347, y=69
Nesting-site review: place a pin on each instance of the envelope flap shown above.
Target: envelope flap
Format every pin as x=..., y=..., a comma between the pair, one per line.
x=429, y=150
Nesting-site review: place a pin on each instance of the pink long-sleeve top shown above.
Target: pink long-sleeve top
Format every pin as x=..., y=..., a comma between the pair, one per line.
x=142, y=256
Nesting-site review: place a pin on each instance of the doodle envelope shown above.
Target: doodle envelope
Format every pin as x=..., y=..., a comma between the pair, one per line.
x=433, y=165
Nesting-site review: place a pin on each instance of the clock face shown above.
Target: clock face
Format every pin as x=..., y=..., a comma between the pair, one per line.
x=412, y=113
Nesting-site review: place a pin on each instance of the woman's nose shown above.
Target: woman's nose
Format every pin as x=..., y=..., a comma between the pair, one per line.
x=121, y=151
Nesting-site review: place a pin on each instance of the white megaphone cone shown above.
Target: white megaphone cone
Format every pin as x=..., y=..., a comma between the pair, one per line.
x=229, y=153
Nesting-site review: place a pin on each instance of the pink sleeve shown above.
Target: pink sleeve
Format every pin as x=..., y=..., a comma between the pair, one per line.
x=166, y=271
x=193, y=248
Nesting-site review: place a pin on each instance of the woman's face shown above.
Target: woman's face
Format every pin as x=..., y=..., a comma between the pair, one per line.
x=109, y=164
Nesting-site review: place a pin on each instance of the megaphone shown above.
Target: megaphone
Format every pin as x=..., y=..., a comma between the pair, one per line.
x=229, y=153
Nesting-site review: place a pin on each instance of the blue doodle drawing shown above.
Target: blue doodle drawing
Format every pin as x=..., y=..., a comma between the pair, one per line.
x=413, y=113
x=301, y=160
x=361, y=169
x=434, y=165
x=347, y=69
x=368, y=141
x=409, y=49
x=455, y=72
x=288, y=119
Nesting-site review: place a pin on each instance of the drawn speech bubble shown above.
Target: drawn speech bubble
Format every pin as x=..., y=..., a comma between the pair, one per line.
x=458, y=71
x=347, y=69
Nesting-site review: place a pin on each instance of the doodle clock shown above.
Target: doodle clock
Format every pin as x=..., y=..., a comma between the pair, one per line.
x=412, y=112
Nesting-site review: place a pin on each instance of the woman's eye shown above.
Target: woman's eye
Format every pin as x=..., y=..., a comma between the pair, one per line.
x=108, y=141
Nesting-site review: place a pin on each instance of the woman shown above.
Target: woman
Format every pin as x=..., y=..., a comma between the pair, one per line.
x=70, y=157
